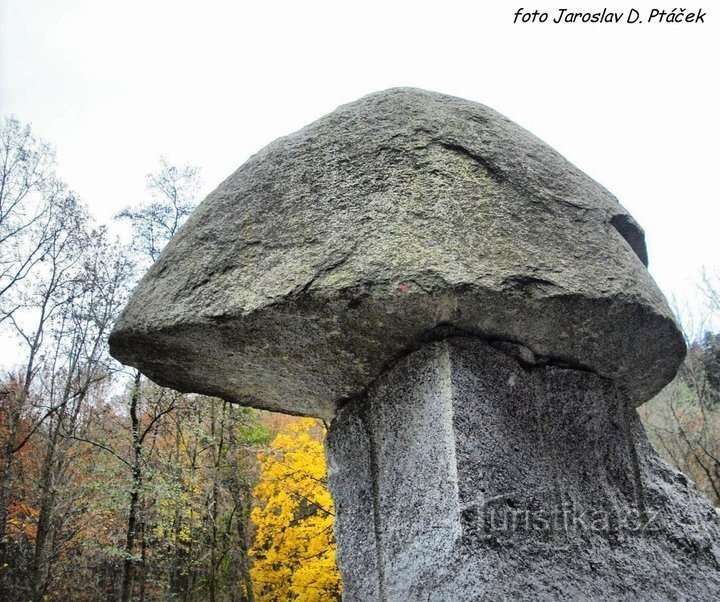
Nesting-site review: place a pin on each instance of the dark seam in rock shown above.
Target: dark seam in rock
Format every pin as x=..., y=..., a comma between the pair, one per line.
x=365, y=419
x=323, y=271
x=526, y=281
x=495, y=173
x=444, y=331
x=273, y=246
x=638, y=490
x=445, y=363
x=501, y=177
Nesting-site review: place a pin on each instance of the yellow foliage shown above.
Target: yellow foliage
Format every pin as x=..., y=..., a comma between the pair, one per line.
x=294, y=549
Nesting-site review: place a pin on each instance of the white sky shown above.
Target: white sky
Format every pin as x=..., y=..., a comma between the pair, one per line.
x=113, y=85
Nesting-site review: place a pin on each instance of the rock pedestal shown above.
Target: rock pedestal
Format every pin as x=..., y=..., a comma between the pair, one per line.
x=466, y=473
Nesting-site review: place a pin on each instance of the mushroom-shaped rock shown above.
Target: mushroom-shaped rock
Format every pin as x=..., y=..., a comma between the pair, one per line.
x=401, y=218
x=486, y=309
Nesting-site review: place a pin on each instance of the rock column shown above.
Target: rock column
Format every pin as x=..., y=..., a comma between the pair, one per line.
x=469, y=473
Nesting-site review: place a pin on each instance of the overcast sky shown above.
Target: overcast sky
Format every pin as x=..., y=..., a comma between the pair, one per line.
x=113, y=85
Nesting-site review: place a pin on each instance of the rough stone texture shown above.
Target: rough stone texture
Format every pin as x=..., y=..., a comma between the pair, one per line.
x=481, y=314
x=443, y=474
x=397, y=219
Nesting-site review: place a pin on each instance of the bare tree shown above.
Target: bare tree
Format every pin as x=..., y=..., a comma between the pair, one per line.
x=38, y=299
x=31, y=206
x=683, y=421
x=154, y=223
x=710, y=288
x=173, y=191
x=76, y=366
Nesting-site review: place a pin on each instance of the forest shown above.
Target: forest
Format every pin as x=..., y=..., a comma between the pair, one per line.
x=114, y=488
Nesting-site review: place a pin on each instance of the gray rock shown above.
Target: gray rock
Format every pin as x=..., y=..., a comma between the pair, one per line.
x=396, y=220
x=477, y=316
x=464, y=474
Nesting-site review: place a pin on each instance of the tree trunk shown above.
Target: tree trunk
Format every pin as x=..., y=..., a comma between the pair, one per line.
x=128, y=564
x=244, y=542
x=143, y=557
x=11, y=448
x=48, y=486
x=5, y=481
x=217, y=451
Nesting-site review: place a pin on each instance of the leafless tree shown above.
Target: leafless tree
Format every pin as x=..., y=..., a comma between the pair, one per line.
x=172, y=190
x=683, y=421
x=43, y=230
x=173, y=197
x=77, y=366
x=32, y=203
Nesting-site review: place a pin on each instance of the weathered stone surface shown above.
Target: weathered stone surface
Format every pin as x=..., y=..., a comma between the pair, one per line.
x=395, y=220
x=466, y=474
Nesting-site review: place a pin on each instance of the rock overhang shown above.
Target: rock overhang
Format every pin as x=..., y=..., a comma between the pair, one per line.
x=395, y=219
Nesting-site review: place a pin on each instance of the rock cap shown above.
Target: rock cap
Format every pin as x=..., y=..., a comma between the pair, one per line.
x=402, y=217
